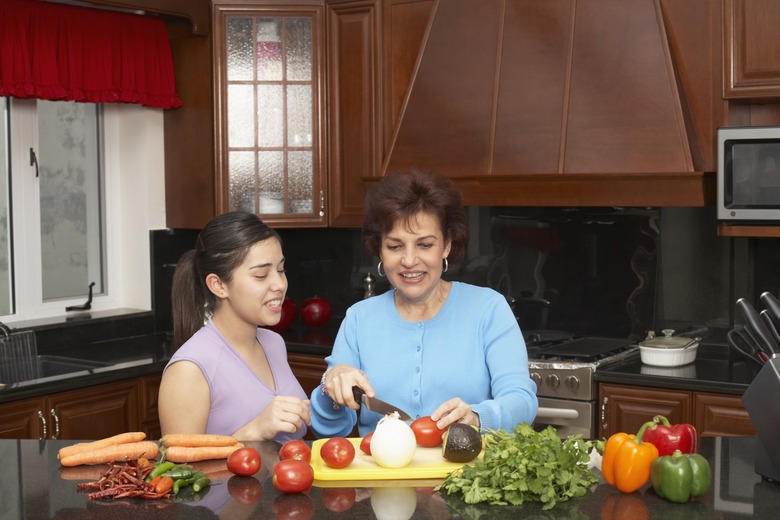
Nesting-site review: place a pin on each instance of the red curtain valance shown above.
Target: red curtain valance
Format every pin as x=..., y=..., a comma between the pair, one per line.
x=63, y=52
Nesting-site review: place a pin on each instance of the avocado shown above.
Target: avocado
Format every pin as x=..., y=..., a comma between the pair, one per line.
x=462, y=443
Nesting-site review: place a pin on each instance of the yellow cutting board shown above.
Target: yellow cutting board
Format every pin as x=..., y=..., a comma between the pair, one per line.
x=427, y=463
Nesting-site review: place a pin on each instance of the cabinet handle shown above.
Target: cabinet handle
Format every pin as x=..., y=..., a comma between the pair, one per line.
x=322, y=203
x=44, y=432
x=56, y=433
x=604, y=415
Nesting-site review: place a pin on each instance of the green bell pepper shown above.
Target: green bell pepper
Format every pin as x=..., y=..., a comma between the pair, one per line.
x=678, y=477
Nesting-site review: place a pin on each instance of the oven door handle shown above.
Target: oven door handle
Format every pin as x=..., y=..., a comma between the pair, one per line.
x=556, y=413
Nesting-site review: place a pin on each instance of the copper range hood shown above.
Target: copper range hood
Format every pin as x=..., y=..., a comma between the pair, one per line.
x=554, y=102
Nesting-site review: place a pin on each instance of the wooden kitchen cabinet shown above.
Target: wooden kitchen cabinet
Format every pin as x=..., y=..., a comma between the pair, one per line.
x=269, y=112
x=308, y=370
x=751, y=57
x=625, y=408
x=149, y=388
x=87, y=413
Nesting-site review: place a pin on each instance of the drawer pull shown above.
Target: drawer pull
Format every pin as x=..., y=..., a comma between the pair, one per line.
x=604, y=415
x=44, y=432
x=56, y=424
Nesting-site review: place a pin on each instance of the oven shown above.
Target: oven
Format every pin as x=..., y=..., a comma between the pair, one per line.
x=562, y=366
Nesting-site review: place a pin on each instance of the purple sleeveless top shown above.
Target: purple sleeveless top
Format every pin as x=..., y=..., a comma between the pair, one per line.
x=237, y=394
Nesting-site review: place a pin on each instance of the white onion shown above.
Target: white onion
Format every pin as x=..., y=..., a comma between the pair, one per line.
x=393, y=443
x=393, y=503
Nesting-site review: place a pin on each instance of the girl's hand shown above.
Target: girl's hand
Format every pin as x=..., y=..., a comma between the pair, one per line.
x=452, y=411
x=285, y=414
x=338, y=383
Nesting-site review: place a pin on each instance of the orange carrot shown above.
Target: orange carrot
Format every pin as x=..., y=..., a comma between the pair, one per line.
x=197, y=440
x=85, y=447
x=197, y=453
x=114, y=452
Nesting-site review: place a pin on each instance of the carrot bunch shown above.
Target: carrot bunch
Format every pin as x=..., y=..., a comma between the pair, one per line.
x=190, y=447
x=129, y=445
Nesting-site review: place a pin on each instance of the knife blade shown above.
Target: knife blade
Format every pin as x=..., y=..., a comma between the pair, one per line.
x=377, y=405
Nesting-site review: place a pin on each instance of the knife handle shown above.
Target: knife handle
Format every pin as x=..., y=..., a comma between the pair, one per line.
x=757, y=327
x=358, y=393
x=772, y=305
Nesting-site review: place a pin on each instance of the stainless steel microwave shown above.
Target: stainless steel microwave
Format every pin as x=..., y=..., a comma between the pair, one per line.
x=749, y=173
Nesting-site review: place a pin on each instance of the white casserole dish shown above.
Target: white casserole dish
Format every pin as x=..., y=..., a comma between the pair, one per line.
x=668, y=350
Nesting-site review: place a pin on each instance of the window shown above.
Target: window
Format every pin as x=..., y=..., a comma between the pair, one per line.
x=52, y=232
x=81, y=185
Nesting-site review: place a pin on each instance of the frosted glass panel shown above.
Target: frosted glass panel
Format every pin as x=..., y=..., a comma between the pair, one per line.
x=301, y=172
x=5, y=221
x=299, y=121
x=68, y=159
x=239, y=49
x=299, y=49
x=269, y=49
x=270, y=115
x=241, y=121
x=241, y=166
x=271, y=168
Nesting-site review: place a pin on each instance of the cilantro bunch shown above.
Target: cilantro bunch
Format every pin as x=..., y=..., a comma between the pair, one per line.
x=525, y=466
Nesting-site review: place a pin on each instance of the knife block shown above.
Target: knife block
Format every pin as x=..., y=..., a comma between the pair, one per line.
x=760, y=401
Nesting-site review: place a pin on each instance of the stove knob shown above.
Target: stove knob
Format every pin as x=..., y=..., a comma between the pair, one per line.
x=537, y=379
x=553, y=381
x=572, y=383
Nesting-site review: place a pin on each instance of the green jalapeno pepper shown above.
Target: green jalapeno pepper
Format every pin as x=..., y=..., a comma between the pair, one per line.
x=159, y=470
x=179, y=471
x=678, y=477
x=178, y=484
x=200, y=484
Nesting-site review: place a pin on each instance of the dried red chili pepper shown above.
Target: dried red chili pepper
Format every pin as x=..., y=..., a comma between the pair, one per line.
x=668, y=438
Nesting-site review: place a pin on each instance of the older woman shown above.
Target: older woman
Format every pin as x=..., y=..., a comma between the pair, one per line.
x=450, y=350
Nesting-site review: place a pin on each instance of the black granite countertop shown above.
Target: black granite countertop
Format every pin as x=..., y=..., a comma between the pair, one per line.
x=713, y=370
x=34, y=486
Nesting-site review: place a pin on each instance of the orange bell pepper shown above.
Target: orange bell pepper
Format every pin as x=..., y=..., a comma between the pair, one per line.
x=627, y=460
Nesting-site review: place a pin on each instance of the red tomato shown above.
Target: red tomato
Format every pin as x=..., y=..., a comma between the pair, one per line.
x=289, y=315
x=293, y=507
x=295, y=449
x=246, y=490
x=244, y=462
x=338, y=499
x=365, y=444
x=293, y=476
x=337, y=452
x=426, y=432
x=315, y=311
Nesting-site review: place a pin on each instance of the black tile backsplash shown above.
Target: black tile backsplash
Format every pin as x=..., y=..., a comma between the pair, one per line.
x=608, y=271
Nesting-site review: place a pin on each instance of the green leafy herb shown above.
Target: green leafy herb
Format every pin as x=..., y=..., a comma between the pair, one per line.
x=525, y=466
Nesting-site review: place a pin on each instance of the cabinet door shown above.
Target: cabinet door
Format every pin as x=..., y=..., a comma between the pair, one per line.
x=627, y=408
x=308, y=370
x=149, y=388
x=94, y=412
x=354, y=125
x=22, y=419
x=721, y=415
x=751, y=61
x=269, y=113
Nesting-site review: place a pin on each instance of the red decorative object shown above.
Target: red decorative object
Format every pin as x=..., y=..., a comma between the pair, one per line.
x=316, y=311
x=289, y=315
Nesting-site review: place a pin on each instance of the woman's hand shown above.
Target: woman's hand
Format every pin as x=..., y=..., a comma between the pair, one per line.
x=285, y=414
x=338, y=383
x=452, y=411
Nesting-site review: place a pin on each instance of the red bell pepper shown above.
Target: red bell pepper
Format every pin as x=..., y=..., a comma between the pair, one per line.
x=668, y=438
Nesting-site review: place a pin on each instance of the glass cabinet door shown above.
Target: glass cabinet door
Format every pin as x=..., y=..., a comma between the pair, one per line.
x=268, y=116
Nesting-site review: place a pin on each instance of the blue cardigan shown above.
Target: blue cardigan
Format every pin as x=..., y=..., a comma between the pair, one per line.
x=472, y=349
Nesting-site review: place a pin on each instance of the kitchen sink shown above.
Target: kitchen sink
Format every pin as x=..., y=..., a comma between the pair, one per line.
x=43, y=366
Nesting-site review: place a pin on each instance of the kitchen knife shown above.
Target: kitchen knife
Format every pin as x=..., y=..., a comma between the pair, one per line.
x=757, y=328
x=377, y=405
x=771, y=325
x=772, y=305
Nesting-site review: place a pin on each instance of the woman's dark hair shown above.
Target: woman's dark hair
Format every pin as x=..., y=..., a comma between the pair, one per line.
x=220, y=248
x=399, y=197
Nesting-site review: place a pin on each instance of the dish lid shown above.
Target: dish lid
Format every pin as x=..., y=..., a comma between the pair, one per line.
x=667, y=340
